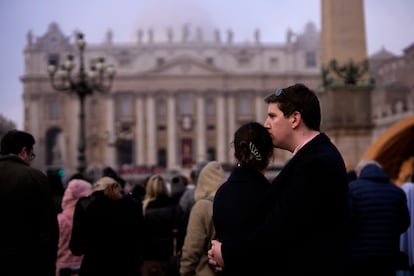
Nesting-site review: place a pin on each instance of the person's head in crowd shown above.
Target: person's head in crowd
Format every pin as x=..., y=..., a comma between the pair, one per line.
x=363, y=163
x=138, y=191
x=156, y=187
x=292, y=111
x=19, y=143
x=179, y=178
x=192, y=177
x=253, y=147
x=110, y=172
x=110, y=187
x=178, y=184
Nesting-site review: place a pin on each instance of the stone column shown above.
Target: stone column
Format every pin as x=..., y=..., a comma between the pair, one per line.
x=221, y=129
x=231, y=114
x=201, y=129
x=260, y=109
x=151, y=132
x=139, y=137
x=171, y=133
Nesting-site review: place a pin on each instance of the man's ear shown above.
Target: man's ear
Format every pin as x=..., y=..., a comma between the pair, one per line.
x=296, y=118
x=23, y=153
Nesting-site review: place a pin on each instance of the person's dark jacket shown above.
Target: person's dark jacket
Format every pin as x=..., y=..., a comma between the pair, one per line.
x=159, y=222
x=235, y=212
x=109, y=234
x=379, y=214
x=307, y=217
x=29, y=231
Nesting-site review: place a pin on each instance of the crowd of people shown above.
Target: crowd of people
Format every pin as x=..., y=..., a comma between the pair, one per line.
x=311, y=219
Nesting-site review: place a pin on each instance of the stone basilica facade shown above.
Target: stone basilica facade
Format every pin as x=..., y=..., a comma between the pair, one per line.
x=177, y=102
x=172, y=104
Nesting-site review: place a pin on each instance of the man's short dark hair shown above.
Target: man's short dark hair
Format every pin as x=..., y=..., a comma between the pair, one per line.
x=299, y=98
x=15, y=140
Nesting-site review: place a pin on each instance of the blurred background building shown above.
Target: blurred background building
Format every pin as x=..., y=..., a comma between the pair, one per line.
x=172, y=103
x=178, y=97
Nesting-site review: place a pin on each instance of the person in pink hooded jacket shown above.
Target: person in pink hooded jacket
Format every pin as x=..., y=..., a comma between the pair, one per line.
x=76, y=189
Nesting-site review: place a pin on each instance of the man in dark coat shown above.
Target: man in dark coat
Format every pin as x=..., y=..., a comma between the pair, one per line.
x=29, y=230
x=305, y=230
x=379, y=216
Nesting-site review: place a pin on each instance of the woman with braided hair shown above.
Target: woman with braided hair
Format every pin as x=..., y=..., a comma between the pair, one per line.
x=237, y=201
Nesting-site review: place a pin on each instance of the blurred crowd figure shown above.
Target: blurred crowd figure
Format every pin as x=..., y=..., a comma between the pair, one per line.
x=143, y=221
x=66, y=262
x=379, y=215
x=107, y=231
x=185, y=205
x=159, y=219
x=200, y=229
x=29, y=229
x=178, y=185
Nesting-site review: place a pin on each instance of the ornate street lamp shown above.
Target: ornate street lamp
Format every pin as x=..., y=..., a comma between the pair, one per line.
x=98, y=78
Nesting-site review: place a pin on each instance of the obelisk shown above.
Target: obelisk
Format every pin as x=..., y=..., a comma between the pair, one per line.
x=345, y=86
x=343, y=31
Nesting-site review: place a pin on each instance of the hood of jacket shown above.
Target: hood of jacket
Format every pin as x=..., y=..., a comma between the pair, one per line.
x=76, y=189
x=210, y=178
x=374, y=172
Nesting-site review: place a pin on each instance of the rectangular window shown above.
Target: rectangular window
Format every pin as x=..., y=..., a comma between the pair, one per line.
x=161, y=107
x=185, y=105
x=54, y=60
x=244, y=61
x=160, y=61
x=274, y=62
x=53, y=109
x=210, y=60
x=244, y=106
x=310, y=59
x=126, y=108
x=210, y=107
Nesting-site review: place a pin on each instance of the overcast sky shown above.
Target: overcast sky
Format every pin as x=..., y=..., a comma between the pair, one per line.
x=389, y=24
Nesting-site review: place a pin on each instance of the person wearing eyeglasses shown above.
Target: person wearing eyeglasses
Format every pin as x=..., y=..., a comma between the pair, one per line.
x=29, y=230
x=305, y=230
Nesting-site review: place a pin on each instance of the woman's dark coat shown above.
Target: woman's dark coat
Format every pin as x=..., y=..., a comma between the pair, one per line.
x=109, y=234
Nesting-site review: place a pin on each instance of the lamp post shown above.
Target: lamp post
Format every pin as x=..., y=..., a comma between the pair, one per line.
x=98, y=78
